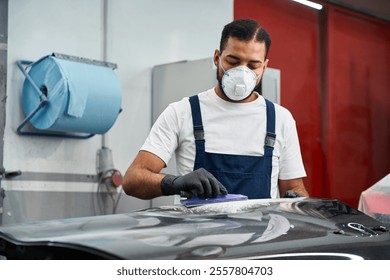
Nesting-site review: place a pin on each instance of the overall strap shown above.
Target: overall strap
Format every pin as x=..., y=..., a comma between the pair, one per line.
x=269, y=143
x=270, y=136
x=198, y=131
x=196, y=118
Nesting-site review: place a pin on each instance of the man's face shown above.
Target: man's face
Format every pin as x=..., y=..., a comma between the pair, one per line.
x=237, y=53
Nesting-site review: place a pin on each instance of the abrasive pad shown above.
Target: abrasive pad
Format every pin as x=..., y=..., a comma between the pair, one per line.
x=219, y=198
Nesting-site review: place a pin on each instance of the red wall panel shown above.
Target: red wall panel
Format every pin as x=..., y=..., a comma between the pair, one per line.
x=294, y=50
x=358, y=111
x=343, y=116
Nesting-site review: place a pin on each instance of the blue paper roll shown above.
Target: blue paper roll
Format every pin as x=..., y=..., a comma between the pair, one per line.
x=82, y=97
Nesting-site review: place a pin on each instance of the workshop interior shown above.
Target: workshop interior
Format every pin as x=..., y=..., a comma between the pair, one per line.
x=82, y=82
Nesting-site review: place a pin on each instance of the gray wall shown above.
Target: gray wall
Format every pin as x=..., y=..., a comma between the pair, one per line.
x=135, y=34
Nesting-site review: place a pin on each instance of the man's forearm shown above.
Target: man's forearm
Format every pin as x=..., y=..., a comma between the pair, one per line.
x=295, y=185
x=301, y=190
x=142, y=183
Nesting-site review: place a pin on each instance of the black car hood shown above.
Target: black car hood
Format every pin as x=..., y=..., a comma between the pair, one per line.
x=253, y=229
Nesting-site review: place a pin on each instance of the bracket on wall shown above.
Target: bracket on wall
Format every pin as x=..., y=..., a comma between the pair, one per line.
x=5, y=174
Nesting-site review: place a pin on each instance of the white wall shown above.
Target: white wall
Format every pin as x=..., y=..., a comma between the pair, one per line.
x=147, y=33
x=140, y=34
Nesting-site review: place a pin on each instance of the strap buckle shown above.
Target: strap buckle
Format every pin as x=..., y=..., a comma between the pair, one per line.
x=198, y=132
x=270, y=139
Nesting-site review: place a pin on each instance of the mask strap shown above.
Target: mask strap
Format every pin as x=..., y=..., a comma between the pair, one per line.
x=220, y=63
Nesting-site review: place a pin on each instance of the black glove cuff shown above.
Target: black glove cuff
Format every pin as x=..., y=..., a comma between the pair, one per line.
x=291, y=194
x=167, y=185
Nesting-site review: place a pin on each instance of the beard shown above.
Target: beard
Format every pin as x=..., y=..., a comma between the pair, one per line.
x=219, y=79
x=258, y=87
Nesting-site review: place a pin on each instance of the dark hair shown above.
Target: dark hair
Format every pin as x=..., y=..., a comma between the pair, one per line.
x=246, y=30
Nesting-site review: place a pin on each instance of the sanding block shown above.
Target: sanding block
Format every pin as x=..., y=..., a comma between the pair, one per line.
x=220, y=198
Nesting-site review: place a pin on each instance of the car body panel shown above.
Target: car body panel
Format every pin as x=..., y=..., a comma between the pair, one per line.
x=252, y=229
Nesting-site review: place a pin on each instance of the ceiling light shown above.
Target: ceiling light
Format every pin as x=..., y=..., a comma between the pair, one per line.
x=310, y=4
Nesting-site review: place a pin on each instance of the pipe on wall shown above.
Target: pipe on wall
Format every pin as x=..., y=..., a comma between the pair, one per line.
x=3, y=86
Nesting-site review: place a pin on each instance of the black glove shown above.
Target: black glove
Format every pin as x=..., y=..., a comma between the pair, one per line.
x=198, y=183
x=291, y=194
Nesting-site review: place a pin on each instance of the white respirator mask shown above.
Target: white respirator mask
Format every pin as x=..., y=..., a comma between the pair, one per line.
x=238, y=82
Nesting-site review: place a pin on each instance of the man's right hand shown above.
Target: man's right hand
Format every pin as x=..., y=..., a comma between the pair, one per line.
x=200, y=183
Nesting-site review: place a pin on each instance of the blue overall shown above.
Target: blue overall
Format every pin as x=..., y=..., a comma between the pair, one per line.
x=240, y=174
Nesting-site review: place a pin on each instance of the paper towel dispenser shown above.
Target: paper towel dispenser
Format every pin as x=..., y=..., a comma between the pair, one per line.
x=68, y=96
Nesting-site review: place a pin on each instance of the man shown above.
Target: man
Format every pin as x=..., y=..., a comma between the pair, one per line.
x=228, y=139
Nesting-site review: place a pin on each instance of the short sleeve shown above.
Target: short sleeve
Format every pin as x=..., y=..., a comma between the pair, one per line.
x=291, y=163
x=163, y=137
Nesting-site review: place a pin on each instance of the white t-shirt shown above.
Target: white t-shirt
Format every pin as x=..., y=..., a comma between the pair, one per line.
x=229, y=128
